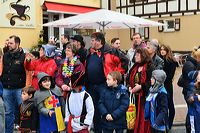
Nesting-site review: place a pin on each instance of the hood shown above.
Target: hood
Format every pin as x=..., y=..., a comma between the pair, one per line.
x=42, y=75
x=159, y=76
x=49, y=50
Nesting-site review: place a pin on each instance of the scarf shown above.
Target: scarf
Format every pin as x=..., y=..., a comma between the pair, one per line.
x=133, y=73
x=97, y=52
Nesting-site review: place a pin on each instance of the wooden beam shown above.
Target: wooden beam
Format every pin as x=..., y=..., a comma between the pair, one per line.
x=197, y=4
x=179, y=5
x=169, y=13
x=134, y=7
x=126, y=7
x=142, y=6
x=186, y=5
x=156, y=6
x=109, y=4
x=167, y=6
x=120, y=4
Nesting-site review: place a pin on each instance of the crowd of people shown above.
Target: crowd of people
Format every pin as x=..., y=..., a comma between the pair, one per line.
x=76, y=89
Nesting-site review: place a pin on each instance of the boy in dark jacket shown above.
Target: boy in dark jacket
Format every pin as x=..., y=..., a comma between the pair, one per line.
x=28, y=112
x=156, y=107
x=113, y=104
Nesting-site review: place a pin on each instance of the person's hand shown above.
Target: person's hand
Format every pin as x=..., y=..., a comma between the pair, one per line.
x=109, y=117
x=51, y=112
x=29, y=56
x=85, y=126
x=198, y=97
x=191, y=99
x=130, y=89
x=65, y=87
x=136, y=88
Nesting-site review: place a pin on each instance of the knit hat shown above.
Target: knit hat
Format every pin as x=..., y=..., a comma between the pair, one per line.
x=79, y=38
x=49, y=50
x=159, y=76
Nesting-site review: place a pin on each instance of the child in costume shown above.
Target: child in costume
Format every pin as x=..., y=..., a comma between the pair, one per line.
x=156, y=107
x=79, y=105
x=113, y=104
x=50, y=104
x=28, y=112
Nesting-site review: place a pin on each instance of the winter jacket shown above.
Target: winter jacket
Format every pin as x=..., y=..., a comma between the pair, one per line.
x=14, y=75
x=158, y=62
x=114, y=101
x=194, y=115
x=169, y=68
x=158, y=117
x=190, y=65
x=113, y=60
x=61, y=80
x=46, y=65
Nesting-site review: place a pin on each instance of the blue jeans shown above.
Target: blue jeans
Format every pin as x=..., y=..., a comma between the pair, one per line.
x=2, y=116
x=12, y=98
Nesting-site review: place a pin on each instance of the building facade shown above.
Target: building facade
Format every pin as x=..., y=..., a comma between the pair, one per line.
x=180, y=16
x=25, y=18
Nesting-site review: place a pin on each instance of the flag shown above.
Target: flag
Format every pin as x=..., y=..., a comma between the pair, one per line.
x=56, y=121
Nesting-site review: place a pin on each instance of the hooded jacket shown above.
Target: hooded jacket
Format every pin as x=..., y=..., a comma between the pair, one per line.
x=42, y=94
x=44, y=64
x=113, y=60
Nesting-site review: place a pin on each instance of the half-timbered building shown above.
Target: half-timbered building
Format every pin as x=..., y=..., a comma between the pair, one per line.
x=182, y=19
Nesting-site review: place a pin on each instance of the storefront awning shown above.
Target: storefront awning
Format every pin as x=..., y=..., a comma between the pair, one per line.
x=66, y=8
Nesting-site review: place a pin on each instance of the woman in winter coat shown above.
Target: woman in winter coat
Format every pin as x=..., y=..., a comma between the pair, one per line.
x=44, y=64
x=170, y=65
x=139, y=81
x=69, y=66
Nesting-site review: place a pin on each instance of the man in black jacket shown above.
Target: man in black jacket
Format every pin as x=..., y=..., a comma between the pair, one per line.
x=13, y=79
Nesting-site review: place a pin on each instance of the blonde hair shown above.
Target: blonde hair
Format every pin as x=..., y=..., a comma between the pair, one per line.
x=116, y=76
x=196, y=52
